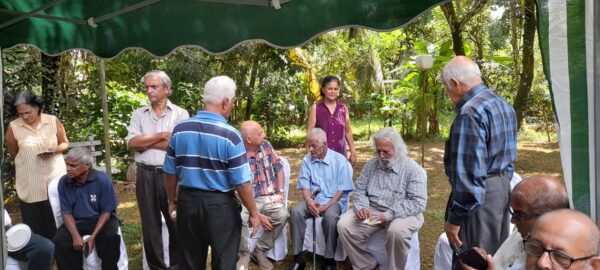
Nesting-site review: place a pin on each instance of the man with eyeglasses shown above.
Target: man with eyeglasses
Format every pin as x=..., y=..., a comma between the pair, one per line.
x=563, y=239
x=529, y=199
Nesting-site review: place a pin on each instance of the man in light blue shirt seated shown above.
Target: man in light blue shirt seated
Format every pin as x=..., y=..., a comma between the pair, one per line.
x=325, y=179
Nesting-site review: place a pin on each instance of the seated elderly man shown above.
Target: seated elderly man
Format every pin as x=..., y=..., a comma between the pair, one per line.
x=563, y=239
x=325, y=179
x=267, y=185
x=37, y=253
x=391, y=194
x=87, y=204
x=529, y=199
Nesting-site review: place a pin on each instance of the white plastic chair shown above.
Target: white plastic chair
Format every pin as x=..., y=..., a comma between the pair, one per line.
x=165, y=241
x=11, y=263
x=279, y=250
x=92, y=262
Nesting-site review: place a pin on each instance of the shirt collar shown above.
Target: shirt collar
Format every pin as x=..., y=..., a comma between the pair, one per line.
x=43, y=121
x=474, y=91
x=327, y=159
x=211, y=115
x=395, y=167
x=92, y=175
x=261, y=148
x=169, y=106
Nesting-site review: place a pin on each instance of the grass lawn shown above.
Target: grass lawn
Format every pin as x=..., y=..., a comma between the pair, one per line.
x=533, y=158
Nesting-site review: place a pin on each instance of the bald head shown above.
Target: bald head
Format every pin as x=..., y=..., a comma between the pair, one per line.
x=567, y=230
x=540, y=194
x=252, y=134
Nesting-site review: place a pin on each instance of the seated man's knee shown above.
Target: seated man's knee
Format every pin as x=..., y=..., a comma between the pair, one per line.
x=331, y=218
x=297, y=212
x=282, y=215
x=398, y=232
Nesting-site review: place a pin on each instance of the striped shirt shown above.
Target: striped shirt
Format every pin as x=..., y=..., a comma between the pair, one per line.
x=400, y=191
x=330, y=175
x=207, y=153
x=33, y=173
x=264, y=165
x=482, y=143
x=144, y=121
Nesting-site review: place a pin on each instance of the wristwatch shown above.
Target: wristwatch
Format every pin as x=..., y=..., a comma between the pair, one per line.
x=172, y=202
x=278, y=190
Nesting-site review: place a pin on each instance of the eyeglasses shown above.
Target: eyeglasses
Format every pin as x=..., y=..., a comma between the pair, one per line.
x=537, y=249
x=518, y=216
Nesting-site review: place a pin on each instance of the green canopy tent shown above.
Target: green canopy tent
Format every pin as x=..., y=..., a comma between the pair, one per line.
x=568, y=37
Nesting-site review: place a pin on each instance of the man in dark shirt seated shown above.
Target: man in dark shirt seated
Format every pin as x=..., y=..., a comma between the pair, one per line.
x=87, y=204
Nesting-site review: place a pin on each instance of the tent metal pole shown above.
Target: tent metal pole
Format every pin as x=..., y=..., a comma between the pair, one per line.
x=107, y=154
x=2, y=243
x=596, y=56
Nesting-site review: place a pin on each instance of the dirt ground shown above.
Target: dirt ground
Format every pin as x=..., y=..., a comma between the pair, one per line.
x=533, y=158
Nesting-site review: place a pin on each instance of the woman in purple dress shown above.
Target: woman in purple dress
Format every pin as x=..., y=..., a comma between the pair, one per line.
x=331, y=115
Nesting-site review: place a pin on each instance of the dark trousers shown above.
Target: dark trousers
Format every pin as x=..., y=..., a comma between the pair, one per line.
x=37, y=253
x=151, y=197
x=488, y=226
x=39, y=217
x=107, y=245
x=329, y=224
x=206, y=219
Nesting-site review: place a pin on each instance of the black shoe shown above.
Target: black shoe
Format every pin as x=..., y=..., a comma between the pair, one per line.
x=329, y=267
x=297, y=266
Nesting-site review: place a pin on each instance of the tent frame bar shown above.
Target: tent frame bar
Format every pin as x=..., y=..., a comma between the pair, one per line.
x=29, y=14
x=596, y=59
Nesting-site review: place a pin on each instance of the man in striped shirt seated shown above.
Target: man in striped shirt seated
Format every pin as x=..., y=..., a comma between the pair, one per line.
x=206, y=160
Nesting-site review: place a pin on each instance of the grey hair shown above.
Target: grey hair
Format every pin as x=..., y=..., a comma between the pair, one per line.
x=318, y=134
x=219, y=88
x=82, y=154
x=166, y=80
x=460, y=70
x=391, y=135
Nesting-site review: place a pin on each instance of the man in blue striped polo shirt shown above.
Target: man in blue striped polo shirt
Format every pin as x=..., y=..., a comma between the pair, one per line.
x=206, y=160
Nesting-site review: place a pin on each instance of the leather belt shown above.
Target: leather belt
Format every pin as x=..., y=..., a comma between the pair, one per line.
x=156, y=169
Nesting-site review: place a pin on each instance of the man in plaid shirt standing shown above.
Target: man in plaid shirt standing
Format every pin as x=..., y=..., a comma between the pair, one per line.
x=478, y=159
x=267, y=184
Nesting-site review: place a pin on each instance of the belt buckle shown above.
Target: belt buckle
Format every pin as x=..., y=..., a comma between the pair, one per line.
x=159, y=169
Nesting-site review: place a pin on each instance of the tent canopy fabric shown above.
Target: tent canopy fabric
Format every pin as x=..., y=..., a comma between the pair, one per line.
x=107, y=27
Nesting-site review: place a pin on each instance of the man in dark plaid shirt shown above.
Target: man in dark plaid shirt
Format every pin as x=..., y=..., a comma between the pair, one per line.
x=267, y=184
x=478, y=159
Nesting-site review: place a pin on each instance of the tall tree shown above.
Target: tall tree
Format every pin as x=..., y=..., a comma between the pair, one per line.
x=458, y=16
x=526, y=76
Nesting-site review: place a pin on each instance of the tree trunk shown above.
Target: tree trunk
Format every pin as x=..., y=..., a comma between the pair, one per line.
x=526, y=77
x=49, y=82
x=455, y=28
x=457, y=24
x=434, y=126
x=249, y=95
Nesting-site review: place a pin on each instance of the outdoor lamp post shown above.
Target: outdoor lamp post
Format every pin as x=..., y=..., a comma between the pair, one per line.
x=423, y=63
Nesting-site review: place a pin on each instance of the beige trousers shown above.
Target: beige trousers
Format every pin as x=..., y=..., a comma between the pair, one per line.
x=354, y=234
x=277, y=212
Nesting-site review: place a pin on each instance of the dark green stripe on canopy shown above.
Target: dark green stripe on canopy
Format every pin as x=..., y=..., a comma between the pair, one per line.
x=107, y=27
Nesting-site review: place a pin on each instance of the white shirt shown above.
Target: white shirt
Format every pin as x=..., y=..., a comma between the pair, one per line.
x=511, y=253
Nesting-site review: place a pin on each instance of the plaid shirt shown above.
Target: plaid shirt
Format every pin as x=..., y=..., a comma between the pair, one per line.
x=482, y=143
x=264, y=166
